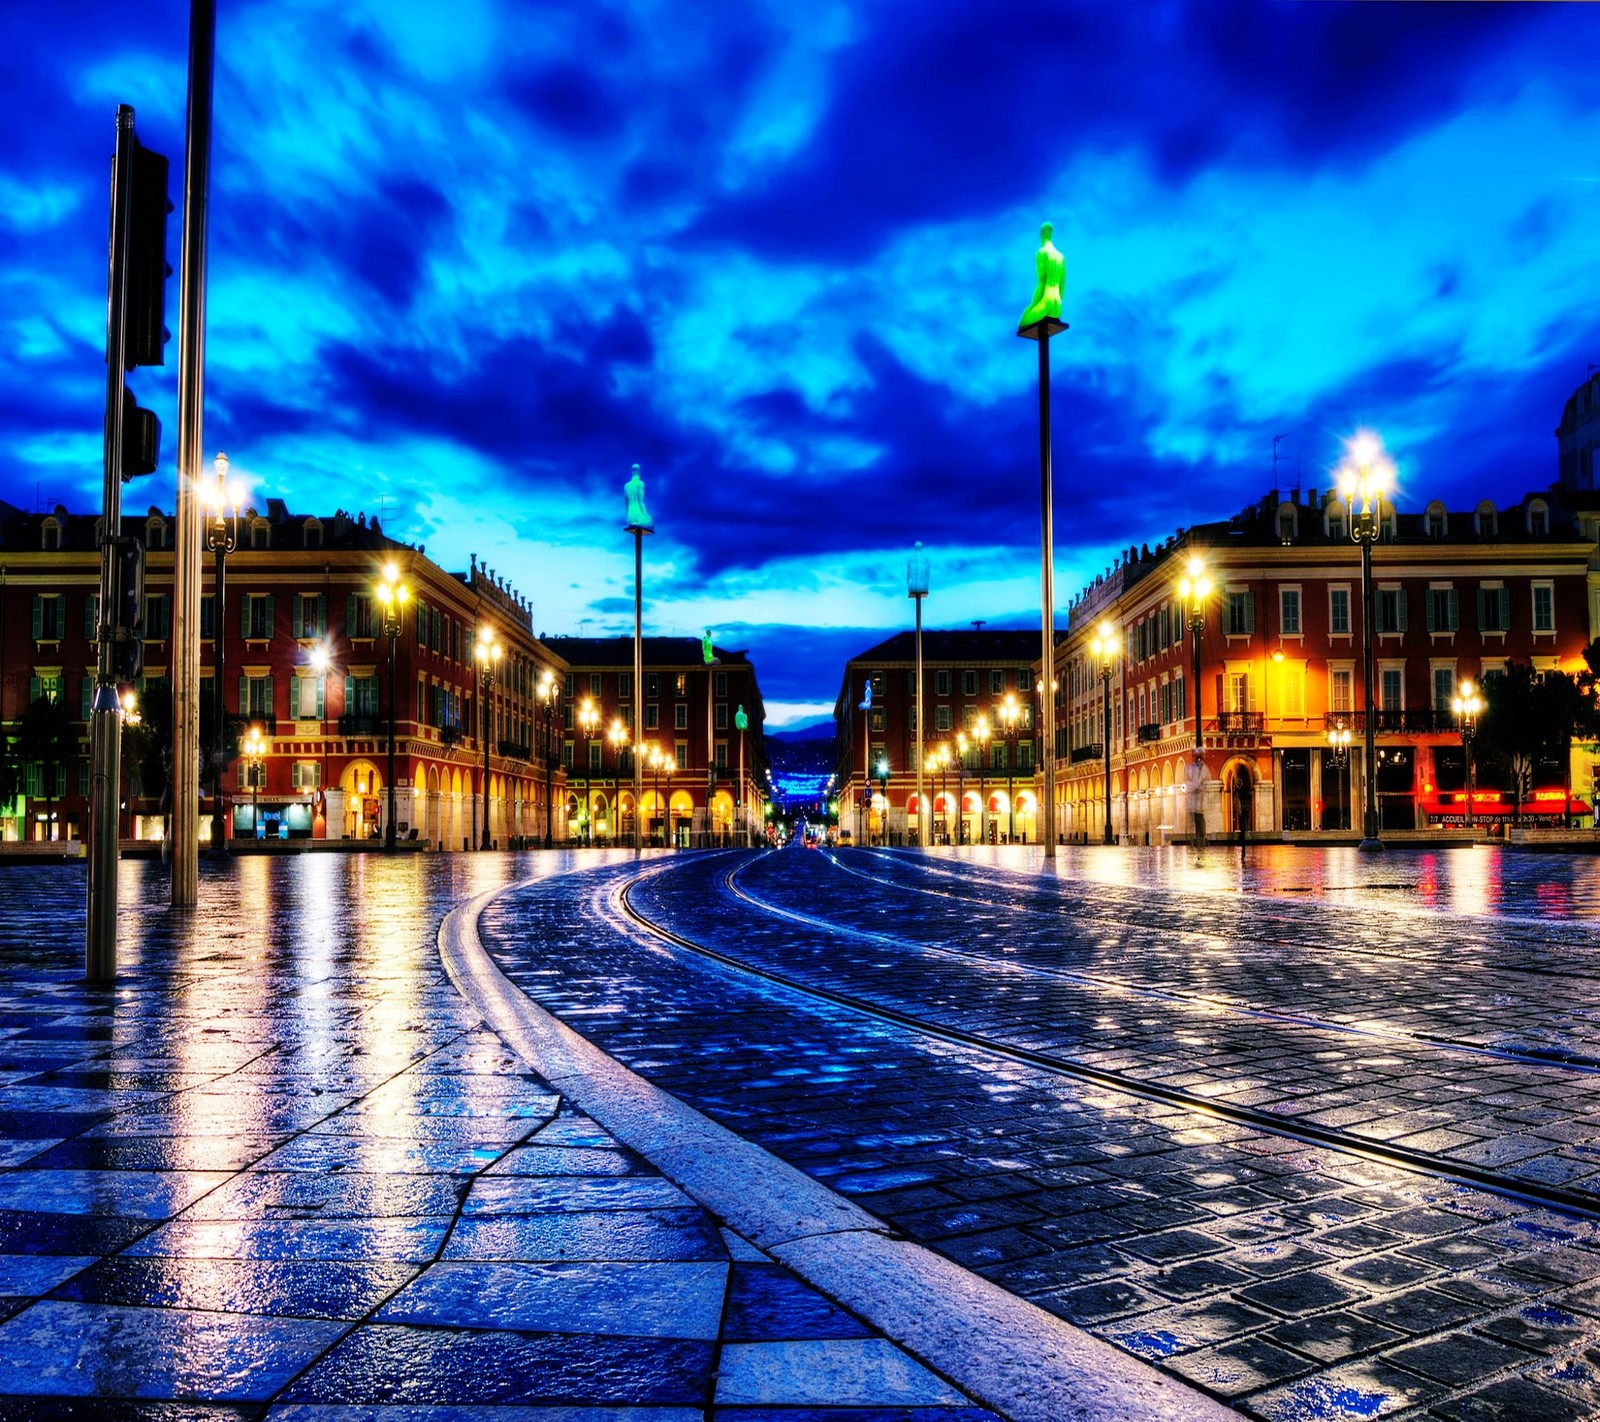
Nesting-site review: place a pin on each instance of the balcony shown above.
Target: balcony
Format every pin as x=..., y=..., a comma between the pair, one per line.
x=264, y=719
x=451, y=735
x=1149, y=733
x=1240, y=723
x=515, y=750
x=360, y=723
x=1409, y=721
x=1089, y=752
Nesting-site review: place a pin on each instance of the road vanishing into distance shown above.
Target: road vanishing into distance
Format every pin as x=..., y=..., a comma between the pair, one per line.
x=1314, y=1131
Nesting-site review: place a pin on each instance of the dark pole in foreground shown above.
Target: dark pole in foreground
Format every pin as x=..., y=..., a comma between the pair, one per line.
x=393, y=594
x=1367, y=475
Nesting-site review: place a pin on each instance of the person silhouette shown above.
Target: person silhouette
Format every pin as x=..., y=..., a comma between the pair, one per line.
x=1051, y=267
x=638, y=514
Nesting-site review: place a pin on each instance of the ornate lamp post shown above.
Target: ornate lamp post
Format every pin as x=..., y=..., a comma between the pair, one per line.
x=961, y=787
x=321, y=659
x=1103, y=648
x=549, y=696
x=392, y=595
x=1468, y=706
x=486, y=654
x=588, y=719
x=1010, y=717
x=254, y=751
x=618, y=736
x=638, y=524
x=1367, y=475
x=741, y=724
x=917, y=589
x=221, y=504
x=1194, y=591
x=980, y=740
x=882, y=773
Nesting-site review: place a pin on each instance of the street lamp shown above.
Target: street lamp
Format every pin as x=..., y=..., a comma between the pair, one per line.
x=961, y=787
x=588, y=719
x=131, y=721
x=1367, y=475
x=1338, y=745
x=1468, y=706
x=486, y=654
x=1194, y=591
x=917, y=589
x=393, y=595
x=618, y=736
x=549, y=696
x=1103, y=648
x=221, y=503
x=935, y=763
x=254, y=751
x=980, y=739
x=882, y=773
x=320, y=659
x=1010, y=715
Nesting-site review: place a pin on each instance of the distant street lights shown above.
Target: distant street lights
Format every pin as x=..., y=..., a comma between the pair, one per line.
x=1009, y=714
x=1103, y=648
x=486, y=654
x=618, y=736
x=220, y=505
x=1194, y=592
x=254, y=751
x=961, y=787
x=1367, y=475
x=980, y=739
x=392, y=595
x=588, y=719
x=1468, y=706
x=550, y=699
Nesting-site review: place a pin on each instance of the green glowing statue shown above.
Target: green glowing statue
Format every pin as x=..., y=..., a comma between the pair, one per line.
x=1052, y=269
x=638, y=514
x=707, y=651
x=740, y=720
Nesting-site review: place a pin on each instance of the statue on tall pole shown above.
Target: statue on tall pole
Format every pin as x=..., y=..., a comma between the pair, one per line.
x=638, y=524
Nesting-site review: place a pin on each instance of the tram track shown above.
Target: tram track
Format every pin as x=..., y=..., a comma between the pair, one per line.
x=1570, y=1061
x=1580, y=1203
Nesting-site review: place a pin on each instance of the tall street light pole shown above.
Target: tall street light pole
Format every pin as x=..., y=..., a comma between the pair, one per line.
x=255, y=756
x=917, y=589
x=1010, y=717
x=549, y=694
x=588, y=719
x=1103, y=648
x=392, y=595
x=222, y=503
x=1367, y=475
x=638, y=524
x=961, y=787
x=980, y=738
x=1194, y=591
x=618, y=736
x=741, y=723
x=487, y=654
x=1039, y=323
x=1468, y=706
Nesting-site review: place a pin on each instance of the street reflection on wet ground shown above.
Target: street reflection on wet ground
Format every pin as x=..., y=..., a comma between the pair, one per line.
x=281, y=1166
x=1438, y=1000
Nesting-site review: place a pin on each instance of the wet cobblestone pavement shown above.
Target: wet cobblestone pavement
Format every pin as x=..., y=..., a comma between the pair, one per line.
x=281, y=1170
x=1442, y=1003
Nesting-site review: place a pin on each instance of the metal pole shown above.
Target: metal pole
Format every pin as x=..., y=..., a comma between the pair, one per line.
x=219, y=833
x=1048, y=597
x=638, y=688
x=393, y=631
x=744, y=827
x=486, y=719
x=185, y=883
x=1105, y=676
x=1369, y=827
x=866, y=773
x=1196, y=622
x=916, y=748
x=105, y=719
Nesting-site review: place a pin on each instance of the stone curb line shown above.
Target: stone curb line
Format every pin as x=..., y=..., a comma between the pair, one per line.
x=1008, y=1354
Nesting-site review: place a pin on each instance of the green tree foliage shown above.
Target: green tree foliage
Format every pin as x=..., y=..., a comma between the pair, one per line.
x=47, y=738
x=1531, y=716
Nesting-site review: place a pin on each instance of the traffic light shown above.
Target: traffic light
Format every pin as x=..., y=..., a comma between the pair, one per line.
x=147, y=260
x=141, y=438
x=127, y=612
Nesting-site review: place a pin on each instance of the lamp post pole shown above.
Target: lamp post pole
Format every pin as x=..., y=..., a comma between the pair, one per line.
x=916, y=590
x=255, y=754
x=961, y=787
x=1010, y=713
x=980, y=738
x=1193, y=589
x=1367, y=475
x=1467, y=705
x=588, y=719
x=222, y=537
x=1103, y=648
x=618, y=736
x=548, y=690
x=741, y=723
x=638, y=524
x=487, y=654
x=393, y=596
x=883, y=795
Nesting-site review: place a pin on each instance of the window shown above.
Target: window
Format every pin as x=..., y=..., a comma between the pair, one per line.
x=1241, y=612
x=260, y=534
x=306, y=775
x=309, y=618
x=595, y=747
x=997, y=755
x=358, y=619
x=86, y=704
x=1236, y=691
x=1444, y=610
x=157, y=617
x=1288, y=523
x=255, y=616
x=680, y=684
x=1289, y=611
x=720, y=681
x=1538, y=518
x=91, y=617
x=1437, y=520
x=307, y=694
x=49, y=616
x=652, y=684
x=1444, y=687
x=255, y=696
x=1494, y=609
x=208, y=617
x=720, y=757
x=1544, y=607
x=681, y=749
x=1391, y=608
x=594, y=683
x=941, y=683
x=878, y=719
x=969, y=683
x=313, y=533
x=1339, y=611
x=1341, y=689
x=1391, y=689
x=969, y=717
x=625, y=686
x=720, y=717
x=1486, y=520
x=680, y=717
x=941, y=718
x=1292, y=688
x=361, y=695
x=45, y=683
x=652, y=717
x=50, y=536
x=997, y=681
x=1334, y=519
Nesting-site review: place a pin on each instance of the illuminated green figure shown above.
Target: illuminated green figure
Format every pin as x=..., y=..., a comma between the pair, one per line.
x=1052, y=269
x=741, y=721
x=638, y=514
x=707, y=650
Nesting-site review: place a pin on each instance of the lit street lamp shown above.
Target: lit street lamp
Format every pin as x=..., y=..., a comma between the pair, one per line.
x=980, y=739
x=882, y=773
x=917, y=589
x=393, y=595
x=588, y=719
x=1194, y=591
x=1103, y=648
x=1010, y=716
x=618, y=736
x=486, y=654
x=549, y=698
x=254, y=751
x=1367, y=475
x=320, y=659
x=220, y=504
x=961, y=787
x=1468, y=706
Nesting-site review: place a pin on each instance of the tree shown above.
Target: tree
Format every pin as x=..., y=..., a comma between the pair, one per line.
x=48, y=739
x=1529, y=716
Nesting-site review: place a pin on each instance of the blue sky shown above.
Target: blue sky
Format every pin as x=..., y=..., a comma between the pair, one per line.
x=471, y=261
